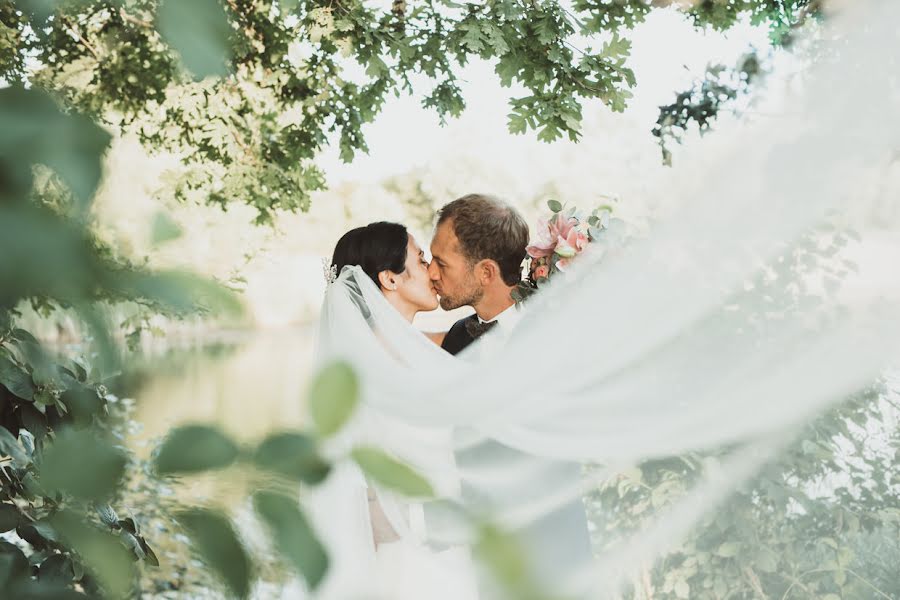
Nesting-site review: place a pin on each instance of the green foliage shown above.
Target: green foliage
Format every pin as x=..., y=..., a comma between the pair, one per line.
x=797, y=526
x=722, y=85
x=36, y=132
x=80, y=464
x=217, y=543
x=292, y=455
x=164, y=229
x=53, y=411
x=293, y=535
x=390, y=473
x=199, y=31
x=701, y=104
x=195, y=448
x=111, y=563
x=333, y=398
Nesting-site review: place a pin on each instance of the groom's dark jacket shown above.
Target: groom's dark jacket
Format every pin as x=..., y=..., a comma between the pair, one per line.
x=458, y=337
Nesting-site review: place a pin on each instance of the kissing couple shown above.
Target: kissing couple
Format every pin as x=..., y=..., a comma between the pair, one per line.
x=381, y=280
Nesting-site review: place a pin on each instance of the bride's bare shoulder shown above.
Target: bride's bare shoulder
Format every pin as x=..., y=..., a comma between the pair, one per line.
x=436, y=336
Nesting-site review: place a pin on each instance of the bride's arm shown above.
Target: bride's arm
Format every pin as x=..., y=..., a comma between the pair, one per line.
x=436, y=336
x=382, y=530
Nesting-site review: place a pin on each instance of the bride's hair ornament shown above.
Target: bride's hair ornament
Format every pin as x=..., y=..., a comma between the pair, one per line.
x=329, y=271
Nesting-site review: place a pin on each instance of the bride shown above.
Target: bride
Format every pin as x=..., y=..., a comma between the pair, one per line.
x=388, y=533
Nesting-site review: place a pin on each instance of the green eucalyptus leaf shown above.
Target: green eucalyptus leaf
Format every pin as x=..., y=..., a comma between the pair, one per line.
x=164, y=229
x=180, y=291
x=82, y=403
x=40, y=534
x=194, y=449
x=9, y=517
x=34, y=421
x=504, y=556
x=57, y=569
x=554, y=205
x=294, y=455
x=35, y=131
x=10, y=446
x=199, y=31
x=728, y=549
x=15, y=379
x=293, y=535
x=391, y=473
x=24, y=336
x=102, y=552
x=217, y=544
x=82, y=464
x=13, y=564
x=333, y=397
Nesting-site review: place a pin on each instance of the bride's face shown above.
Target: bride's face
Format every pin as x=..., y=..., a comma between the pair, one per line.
x=414, y=286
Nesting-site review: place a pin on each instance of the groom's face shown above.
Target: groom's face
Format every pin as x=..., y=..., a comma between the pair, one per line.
x=452, y=274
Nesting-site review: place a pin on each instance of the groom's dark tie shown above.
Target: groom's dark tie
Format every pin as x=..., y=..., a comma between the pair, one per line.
x=476, y=329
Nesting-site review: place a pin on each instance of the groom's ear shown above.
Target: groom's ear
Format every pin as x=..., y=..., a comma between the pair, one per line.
x=488, y=271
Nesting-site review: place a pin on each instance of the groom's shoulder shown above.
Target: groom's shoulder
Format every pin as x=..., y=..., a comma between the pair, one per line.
x=457, y=338
x=461, y=323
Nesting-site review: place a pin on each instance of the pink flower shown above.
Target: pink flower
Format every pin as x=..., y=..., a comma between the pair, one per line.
x=564, y=249
x=549, y=234
x=571, y=245
x=542, y=272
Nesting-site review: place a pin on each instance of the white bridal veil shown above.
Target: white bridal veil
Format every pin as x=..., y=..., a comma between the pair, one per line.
x=701, y=335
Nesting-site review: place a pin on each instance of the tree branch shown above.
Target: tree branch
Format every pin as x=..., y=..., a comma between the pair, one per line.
x=74, y=30
x=134, y=20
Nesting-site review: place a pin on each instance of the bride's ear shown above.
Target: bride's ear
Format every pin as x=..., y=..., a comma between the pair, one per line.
x=388, y=280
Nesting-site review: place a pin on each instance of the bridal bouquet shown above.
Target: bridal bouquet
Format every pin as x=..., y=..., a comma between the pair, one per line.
x=560, y=239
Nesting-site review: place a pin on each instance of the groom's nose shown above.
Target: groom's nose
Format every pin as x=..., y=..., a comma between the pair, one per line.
x=433, y=271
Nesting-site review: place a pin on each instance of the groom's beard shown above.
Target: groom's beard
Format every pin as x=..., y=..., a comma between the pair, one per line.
x=469, y=297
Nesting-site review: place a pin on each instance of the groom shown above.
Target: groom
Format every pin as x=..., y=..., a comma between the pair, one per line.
x=477, y=253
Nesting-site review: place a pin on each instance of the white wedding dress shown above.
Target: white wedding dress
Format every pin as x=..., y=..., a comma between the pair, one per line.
x=686, y=340
x=351, y=512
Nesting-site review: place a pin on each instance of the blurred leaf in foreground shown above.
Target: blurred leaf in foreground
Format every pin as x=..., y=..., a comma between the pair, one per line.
x=333, y=397
x=391, y=473
x=82, y=464
x=102, y=552
x=199, y=31
x=193, y=449
x=293, y=535
x=217, y=544
x=293, y=455
x=35, y=131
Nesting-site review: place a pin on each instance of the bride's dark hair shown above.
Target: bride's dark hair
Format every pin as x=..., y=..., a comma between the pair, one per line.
x=376, y=247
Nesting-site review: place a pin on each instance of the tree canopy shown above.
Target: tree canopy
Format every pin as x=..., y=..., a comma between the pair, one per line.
x=250, y=91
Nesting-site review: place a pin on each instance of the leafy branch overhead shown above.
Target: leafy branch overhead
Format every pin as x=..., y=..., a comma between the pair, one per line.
x=251, y=92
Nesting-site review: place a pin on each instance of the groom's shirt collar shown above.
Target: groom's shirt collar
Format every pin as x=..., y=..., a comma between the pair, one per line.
x=507, y=319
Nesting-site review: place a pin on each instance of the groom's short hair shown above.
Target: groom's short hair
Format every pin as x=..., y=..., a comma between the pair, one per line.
x=489, y=228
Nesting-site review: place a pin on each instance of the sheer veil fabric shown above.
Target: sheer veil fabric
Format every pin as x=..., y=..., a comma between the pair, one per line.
x=689, y=339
